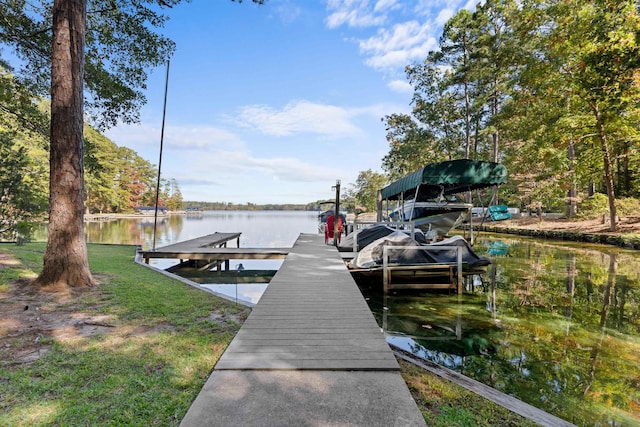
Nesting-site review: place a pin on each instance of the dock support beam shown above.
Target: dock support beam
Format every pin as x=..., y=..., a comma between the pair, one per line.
x=387, y=269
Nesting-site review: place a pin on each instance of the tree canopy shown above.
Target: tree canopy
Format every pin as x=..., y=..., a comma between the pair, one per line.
x=548, y=88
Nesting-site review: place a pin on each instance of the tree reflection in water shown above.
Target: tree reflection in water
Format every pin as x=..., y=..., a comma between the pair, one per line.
x=554, y=324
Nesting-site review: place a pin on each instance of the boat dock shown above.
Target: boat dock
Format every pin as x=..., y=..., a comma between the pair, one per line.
x=211, y=250
x=310, y=353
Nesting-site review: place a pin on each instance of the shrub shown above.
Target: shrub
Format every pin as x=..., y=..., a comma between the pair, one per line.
x=598, y=205
x=593, y=207
x=628, y=206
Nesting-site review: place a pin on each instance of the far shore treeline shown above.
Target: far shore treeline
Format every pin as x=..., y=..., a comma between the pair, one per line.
x=228, y=206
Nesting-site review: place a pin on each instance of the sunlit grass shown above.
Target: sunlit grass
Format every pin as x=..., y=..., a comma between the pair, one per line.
x=152, y=355
x=445, y=404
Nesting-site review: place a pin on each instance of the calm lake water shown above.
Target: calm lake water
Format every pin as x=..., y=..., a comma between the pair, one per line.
x=553, y=323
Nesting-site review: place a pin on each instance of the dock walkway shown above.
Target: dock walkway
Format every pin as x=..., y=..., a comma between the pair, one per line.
x=309, y=354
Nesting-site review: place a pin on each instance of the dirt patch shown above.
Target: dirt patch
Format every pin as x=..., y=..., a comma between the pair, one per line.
x=626, y=225
x=33, y=317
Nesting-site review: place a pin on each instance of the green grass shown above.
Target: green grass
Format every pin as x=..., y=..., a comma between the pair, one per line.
x=444, y=404
x=128, y=378
x=123, y=378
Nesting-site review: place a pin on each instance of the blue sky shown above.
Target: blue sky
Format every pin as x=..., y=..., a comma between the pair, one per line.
x=274, y=103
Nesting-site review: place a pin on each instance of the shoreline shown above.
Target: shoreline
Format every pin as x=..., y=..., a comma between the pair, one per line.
x=627, y=235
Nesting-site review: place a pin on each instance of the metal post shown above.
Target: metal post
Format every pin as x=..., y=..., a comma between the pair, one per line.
x=471, y=237
x=385, y=268
x=459, y=265
x=336, y=214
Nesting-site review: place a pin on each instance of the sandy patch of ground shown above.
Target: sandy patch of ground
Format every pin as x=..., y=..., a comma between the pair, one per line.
x=30, y=316
x=626, y=225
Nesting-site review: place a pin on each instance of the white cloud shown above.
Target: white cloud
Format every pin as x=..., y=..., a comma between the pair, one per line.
x=471, y=4
x=187, y=137
x=300, y=117
x=386, y=5
x=444, y=16
x=400, y=86
x=286, y=11
x=404, y=43
x=291, y=169
x=357, y=13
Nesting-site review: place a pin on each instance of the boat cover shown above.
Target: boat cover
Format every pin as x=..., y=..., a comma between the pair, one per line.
x=371, y=255
x=499, y=212
x=451, y=177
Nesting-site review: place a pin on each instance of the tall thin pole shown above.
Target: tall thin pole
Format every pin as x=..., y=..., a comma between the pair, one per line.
x=336, y=216
x=164, y=113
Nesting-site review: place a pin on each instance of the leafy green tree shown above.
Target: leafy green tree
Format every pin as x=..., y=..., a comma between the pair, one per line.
x=120, y=45
x=457, y=44
x=365, y=189
x=578, y=95
x=437, y=108
x=101, y=161
x=410, y=146
x=136, y=179
x=19, y=110
x=458, y=92
x=603, y=71
x=173, y=195
x=20, y=201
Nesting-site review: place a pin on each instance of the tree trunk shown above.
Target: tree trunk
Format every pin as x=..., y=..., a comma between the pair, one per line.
x=608, y=169
x=572, y=193
x=495, y=137
x=65, y=259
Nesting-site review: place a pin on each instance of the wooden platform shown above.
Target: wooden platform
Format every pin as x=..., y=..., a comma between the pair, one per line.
x=310, y=353
x=213, y=248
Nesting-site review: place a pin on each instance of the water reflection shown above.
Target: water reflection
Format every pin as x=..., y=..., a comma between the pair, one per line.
x=260, y=229
x=556, y=325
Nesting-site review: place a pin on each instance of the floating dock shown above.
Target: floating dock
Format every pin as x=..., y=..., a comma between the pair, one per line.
x=310, y=353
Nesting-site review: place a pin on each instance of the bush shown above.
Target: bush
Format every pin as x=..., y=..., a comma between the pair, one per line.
x=24, y=232
x=628, y=206
x=598, y=205
x=593, y=207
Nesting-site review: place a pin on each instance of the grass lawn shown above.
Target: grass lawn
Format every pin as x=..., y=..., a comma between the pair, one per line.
x=134, y=351
x=444, y=404
x=137, y=349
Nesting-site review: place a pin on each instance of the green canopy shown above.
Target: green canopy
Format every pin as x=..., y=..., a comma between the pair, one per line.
x=449, y=177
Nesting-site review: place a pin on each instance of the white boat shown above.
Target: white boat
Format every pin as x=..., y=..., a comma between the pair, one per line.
x=439, y=217
x=430, y=196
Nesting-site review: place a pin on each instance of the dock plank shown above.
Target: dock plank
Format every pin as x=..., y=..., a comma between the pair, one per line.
x=208, y=241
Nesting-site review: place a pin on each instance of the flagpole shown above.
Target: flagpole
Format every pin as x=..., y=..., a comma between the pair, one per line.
x=164, y=112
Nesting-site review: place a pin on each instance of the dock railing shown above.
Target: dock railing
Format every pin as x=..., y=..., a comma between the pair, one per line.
x=387, y=269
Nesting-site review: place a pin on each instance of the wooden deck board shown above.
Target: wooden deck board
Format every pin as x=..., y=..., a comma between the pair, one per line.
x=208, y=241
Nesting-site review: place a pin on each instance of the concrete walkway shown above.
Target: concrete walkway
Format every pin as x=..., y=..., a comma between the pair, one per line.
x=310, y=354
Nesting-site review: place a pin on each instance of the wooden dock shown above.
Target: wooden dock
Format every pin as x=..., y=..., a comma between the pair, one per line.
x=310, y=353
x=212, y=250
